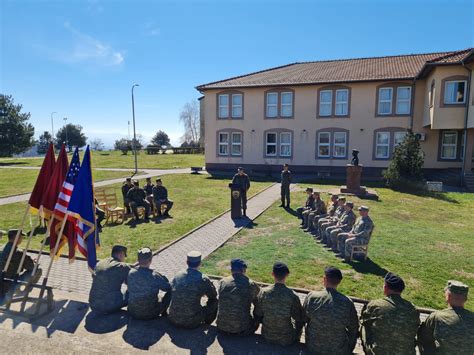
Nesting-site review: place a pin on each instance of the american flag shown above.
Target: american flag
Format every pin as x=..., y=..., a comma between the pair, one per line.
x=66, y=191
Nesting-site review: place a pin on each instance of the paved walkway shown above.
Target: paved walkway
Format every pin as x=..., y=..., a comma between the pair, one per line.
x=148, y=173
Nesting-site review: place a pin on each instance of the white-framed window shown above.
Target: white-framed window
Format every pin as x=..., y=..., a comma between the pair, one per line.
x=382, y=145
x=223, y=106
x=224, y=143
x=403, y=100
x=236, y=143
x=449, y=145
x=324, y=144
x=271, y=144
x=285, y=144
x=455, y=92
x=385, y=101
x=236, y=105
x=325, y=102
x=272, y=104
x=342, y=102
x=398, y=138
x=340, y=144
x=286, y=109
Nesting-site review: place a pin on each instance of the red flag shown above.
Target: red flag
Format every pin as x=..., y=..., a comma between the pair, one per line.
x=42, y=180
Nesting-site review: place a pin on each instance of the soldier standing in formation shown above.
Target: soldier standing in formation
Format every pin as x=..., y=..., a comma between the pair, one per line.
x=242, y=180
x=331, y=318
x=188, y=288
x=236, y=294
x=144, y=285
x=344, y=225
x=309, y=204
x=137, y=198
x=451, y=330
x=279, y=310
x=285, y=186
x=160, y=196
x=127, y=185
x=149, y=191
x=109, y=275
x=389, y=325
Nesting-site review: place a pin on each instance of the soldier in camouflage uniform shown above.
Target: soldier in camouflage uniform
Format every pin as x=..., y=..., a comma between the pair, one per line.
x=331, y=207
x=285, y=186
x=330, y=221
x=137, y=198
x=149, y=191
x=320, y=211
x=243, y=180
x=127, y=185
x=279, y=310
x=236, y=294
x=389, y=325
x=344, y=225
x=144, y=286
x=309, y=204
x=331, y=318
x=109, y=275
x=359, y=234
x=188, y=288
x=451, y=330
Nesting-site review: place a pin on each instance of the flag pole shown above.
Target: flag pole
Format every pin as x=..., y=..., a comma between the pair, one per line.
x=43, y=243
x=23, y=256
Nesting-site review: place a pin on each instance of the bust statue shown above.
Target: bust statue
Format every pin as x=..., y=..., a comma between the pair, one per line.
x=355, y=157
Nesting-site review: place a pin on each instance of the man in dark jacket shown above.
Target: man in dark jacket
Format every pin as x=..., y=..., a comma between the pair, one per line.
x=242, y=179
x=160, y=197
x=285, y=186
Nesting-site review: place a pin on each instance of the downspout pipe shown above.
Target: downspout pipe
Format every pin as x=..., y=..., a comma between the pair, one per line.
x=466, y=117
x=412, y=108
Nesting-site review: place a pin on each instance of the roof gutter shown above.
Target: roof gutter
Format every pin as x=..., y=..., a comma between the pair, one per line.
x=466, y=118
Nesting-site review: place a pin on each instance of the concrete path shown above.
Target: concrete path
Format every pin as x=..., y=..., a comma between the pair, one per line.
x=148, y=173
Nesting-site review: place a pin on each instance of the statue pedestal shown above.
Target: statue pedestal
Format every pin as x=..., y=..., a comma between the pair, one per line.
x=353, y=174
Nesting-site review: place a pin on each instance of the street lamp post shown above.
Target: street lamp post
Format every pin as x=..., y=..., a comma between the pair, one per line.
x=134, y=142
x=52, y=127
x=65, y=127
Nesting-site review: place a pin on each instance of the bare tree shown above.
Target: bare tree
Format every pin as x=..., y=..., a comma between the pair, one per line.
x=96, y=144
x=189, y=116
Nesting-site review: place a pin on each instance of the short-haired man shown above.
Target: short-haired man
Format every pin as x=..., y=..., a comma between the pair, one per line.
x=279, y=310
x=149, y=191
x=332, y=220
x=243, y=181
x=188, y=288
x=127, y=185
x=308, y=205
x=359, y=234
x=451, y=330
x=109, y=275
x=344, y=225
x=160, y=197
x=236, y=294
x=389, y=325
x=144, y=286
x=317, y=212
x=137, y=197
x=331, y=318
x=285, y=186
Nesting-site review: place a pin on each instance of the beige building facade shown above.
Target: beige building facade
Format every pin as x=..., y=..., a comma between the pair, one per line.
x=311, y=115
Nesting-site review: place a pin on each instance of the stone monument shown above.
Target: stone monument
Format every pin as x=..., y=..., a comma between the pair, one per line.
x=353, y=176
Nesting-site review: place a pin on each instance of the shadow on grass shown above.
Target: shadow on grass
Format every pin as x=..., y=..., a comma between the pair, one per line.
x=369, y=267
x=291, y=211
x=13, y=163
x=442, y=196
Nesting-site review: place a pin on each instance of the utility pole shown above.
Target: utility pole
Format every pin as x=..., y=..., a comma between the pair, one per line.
x=52, y=127
x=65, y=127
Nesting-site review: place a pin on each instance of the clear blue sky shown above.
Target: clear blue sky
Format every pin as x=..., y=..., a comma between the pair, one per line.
x=80, y=58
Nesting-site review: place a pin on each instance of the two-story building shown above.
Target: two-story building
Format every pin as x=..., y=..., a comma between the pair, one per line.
x=312, y=114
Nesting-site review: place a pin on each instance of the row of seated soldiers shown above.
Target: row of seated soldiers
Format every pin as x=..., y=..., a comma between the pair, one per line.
x=149, y=197
x=390, y=325
x=335, y=224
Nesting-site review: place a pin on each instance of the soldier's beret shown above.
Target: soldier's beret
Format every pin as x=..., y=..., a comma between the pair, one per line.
x=457, y=287
x=310, y=189
x=394, y=282
x=363, y=208
x=350, y=204
x=144, y=254
x=118, y=249
x=342, y=198
x=194, y=256
x=12, y=233
x=237, y=265
x=333, y=273
x=280, y=269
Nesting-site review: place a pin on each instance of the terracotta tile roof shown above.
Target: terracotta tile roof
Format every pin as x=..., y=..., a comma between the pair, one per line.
x=343, y=70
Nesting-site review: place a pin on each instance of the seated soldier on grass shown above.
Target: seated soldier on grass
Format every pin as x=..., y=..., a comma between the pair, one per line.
x=109, y=275
x=279, y=310
x=236, y=295
x=137, y=197
x=160, y=197
x=144, y=286
x=330, y=221
x=344, y=225
x=318, y=212
x=318, y=206
x=309, y=204
x=331, y=207
x=149, y=191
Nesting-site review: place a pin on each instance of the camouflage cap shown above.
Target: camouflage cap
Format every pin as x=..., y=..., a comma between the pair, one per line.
x=144, y=254
x=457, y=287
x=350, y=204
x=363, y=208
x=194, y=256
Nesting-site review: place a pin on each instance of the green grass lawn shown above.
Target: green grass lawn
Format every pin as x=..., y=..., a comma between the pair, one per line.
x=18, y=181
x=197, y=199
x=427, y=240
x=115, y=159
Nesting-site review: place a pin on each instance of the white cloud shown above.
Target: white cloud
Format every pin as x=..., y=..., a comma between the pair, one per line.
x=150, y=29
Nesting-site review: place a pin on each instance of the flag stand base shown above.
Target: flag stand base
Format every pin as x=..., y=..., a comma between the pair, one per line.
x=28, y=303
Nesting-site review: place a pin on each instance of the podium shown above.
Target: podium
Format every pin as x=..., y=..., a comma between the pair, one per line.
x=235, y=201
x=353, y=187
